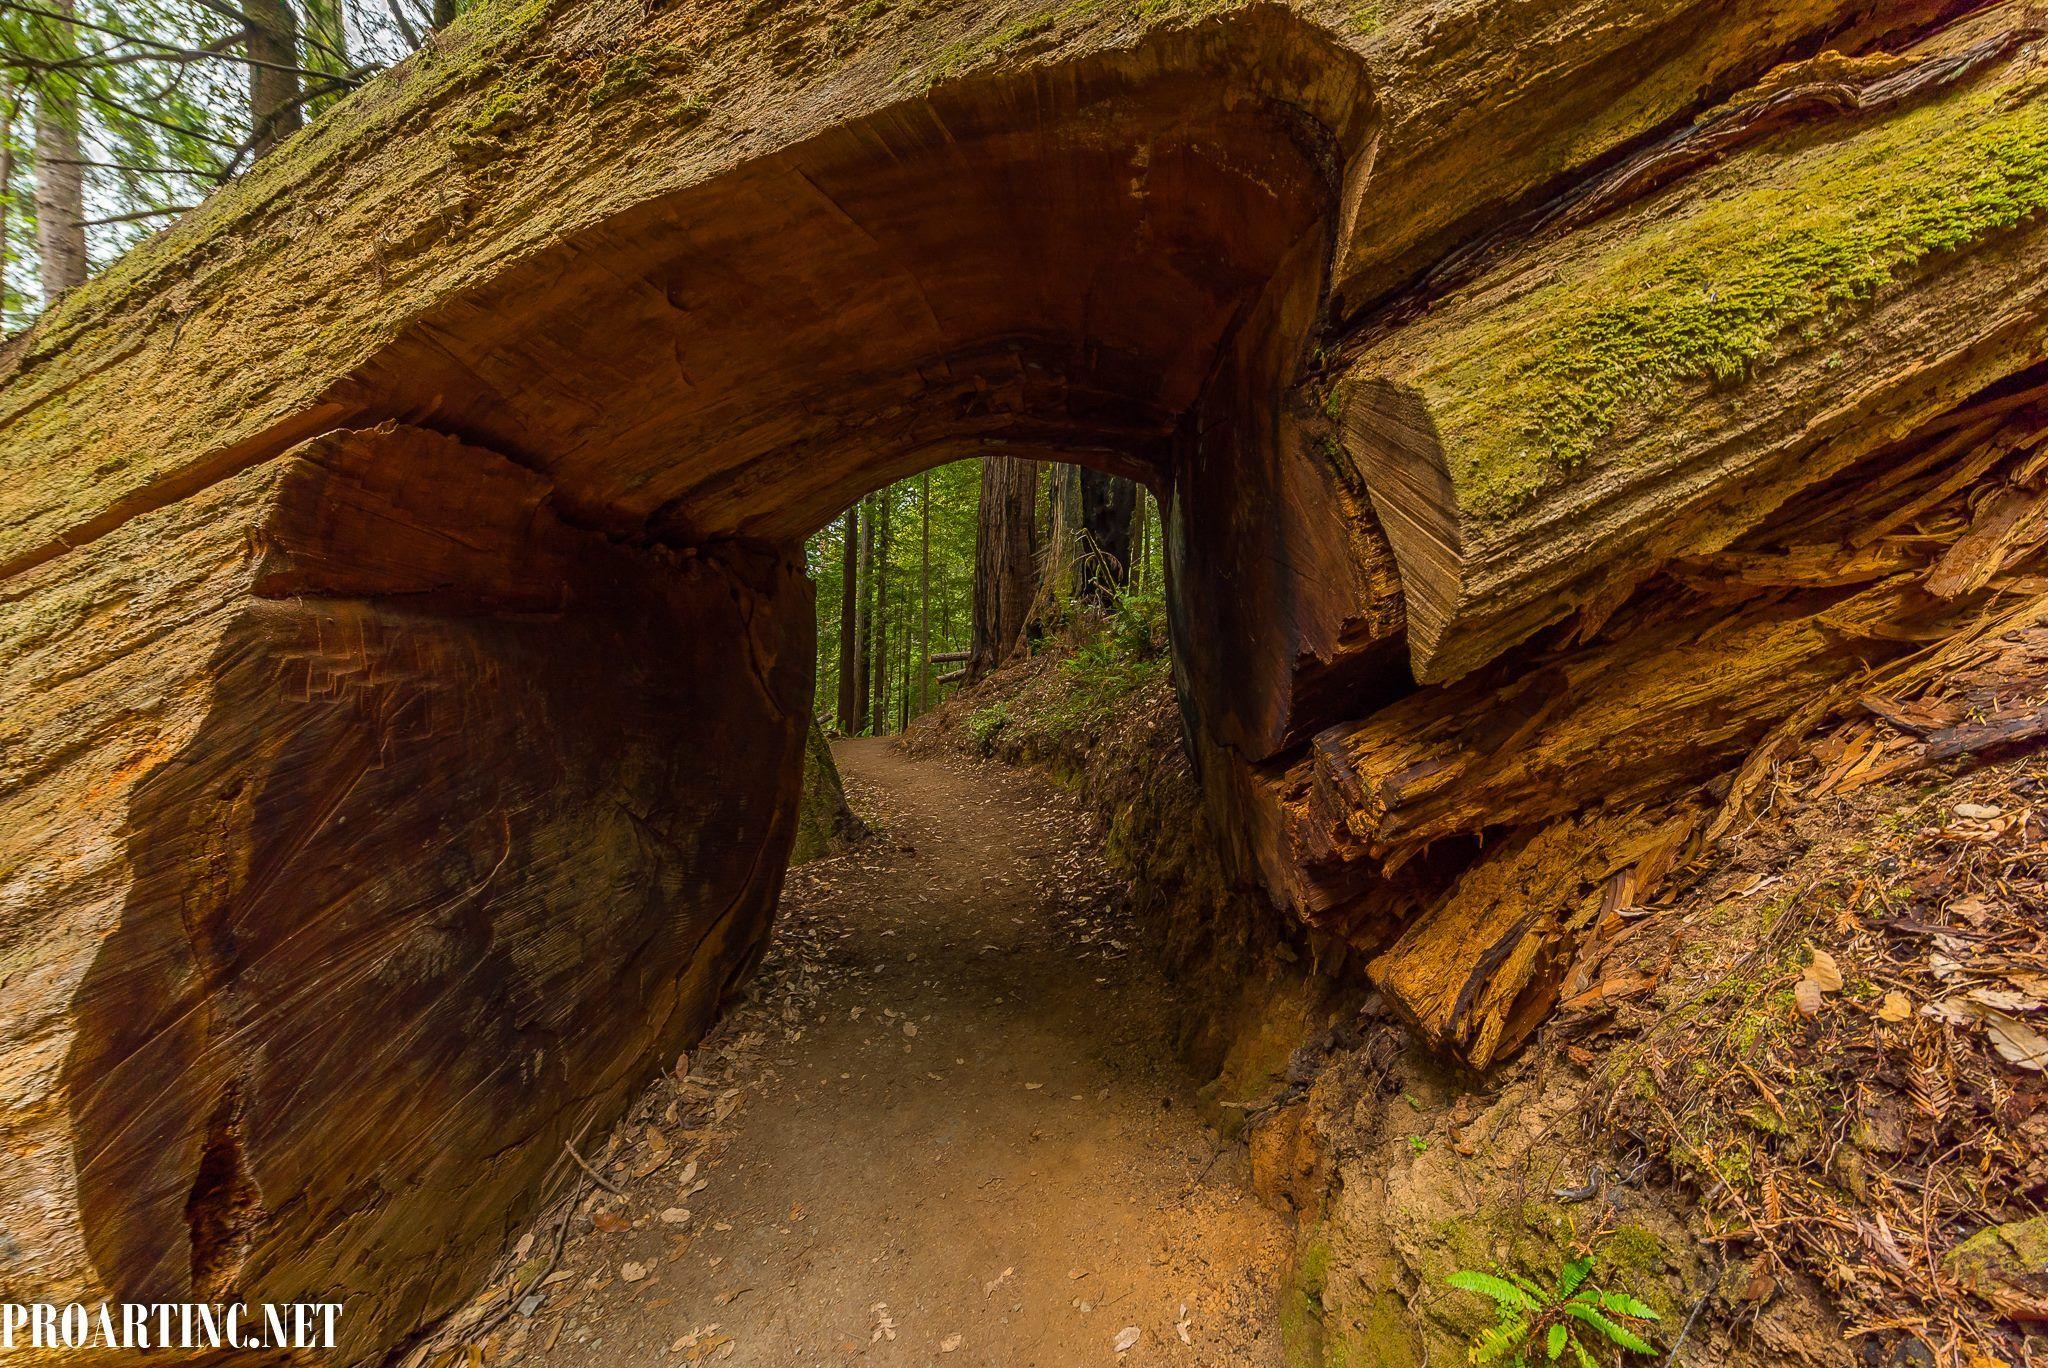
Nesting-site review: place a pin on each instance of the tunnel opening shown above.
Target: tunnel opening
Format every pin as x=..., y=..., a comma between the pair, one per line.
x=517, y=687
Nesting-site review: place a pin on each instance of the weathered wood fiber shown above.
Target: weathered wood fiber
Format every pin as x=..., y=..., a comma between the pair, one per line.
x=416, y=836
x=1479, y=971
x=1545, y=774
x=1657, y=382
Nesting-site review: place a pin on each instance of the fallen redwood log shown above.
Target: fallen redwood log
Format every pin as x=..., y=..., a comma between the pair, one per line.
x=1656, y=383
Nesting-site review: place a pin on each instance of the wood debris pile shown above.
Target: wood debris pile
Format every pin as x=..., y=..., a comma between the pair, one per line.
x=1846, y=1052
x=1501, y=837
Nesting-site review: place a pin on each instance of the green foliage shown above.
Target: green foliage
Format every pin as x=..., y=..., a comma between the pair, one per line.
x=1533, y=1325
x=159, y=94
x=986, y=724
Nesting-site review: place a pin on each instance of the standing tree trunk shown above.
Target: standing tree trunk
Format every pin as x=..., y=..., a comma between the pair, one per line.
x=274, y=112
x=1141, y=543
x=879, y=670
x=10, y=106
x=864, y=620
x=849, y=615
x=1005, y=559
x=445, y=12
x=1107, y=502
x=924, y=595
x=60, y=182
x=1061, y=548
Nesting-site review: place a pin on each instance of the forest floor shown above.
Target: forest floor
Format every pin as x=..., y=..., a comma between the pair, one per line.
x=945, y=1126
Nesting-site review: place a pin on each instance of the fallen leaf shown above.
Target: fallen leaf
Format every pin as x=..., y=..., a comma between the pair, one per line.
x=674, y=1215
x=1127, y=1337
x=1978, y=812
x=632, y=1272
x=2007, y=999
x=1824, y=972
x=1895, y=1008
x=2017, y=1042
x=610, y=1222
x=1807, y=994
x=949, y=1344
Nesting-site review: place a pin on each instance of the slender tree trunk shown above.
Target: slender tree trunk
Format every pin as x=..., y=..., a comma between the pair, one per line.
x=10, y=106
x=882, y=663
x=1005, y=559
x=60, y=183
x=849, y=631
x=1141, y=542
x=1062, y=547
x=1107, y=502
x=274, y=112
x=60, y=200
x=445, y=12
x=864, y=621
x=903, y=675
x=924, y=596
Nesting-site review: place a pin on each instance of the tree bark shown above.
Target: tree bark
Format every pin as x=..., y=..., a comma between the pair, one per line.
x=1005, y=559
x=924, y=593
x=864, y=622
x=60, y=186
x=1107, y=503
x=274, y=112
x=879, y=665
x=849, y=620
x=10, y=106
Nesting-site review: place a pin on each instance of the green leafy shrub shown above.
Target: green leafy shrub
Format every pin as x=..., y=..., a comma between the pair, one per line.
x=1532, y=1322
x=985, y=725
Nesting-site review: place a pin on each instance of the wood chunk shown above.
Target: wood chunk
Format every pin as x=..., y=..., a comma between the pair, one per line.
x=1479, y=971
x=1655, y=384
x=1642, y=717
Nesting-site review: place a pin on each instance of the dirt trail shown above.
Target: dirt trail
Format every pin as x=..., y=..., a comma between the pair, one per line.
x=945, y=1127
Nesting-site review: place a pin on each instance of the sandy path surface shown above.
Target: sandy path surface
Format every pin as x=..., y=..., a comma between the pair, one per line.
x=945, y=1127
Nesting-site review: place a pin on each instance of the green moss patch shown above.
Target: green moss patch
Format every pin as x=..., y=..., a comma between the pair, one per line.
x=1784, y=252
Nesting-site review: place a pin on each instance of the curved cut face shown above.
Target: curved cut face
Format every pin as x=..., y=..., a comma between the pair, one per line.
x=1052, y=260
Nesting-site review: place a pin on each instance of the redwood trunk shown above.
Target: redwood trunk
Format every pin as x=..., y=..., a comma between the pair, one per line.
x=849, y=621
x=1005, y=559
x=274, y=112
x=1107, y=503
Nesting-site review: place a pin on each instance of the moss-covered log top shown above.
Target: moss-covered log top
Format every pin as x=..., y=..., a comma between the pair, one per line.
x=1604, y=397
x=528, y=125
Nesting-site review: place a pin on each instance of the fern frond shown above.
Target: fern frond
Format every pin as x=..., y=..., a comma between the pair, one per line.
x=1499, y=1289
x=1573, y=1276
x=1621, y=1335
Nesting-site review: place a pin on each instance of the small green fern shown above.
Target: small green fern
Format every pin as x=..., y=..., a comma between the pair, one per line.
x=1532, y=1321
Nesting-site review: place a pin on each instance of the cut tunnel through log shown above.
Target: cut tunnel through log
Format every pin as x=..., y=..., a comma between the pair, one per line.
x=452, y=790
